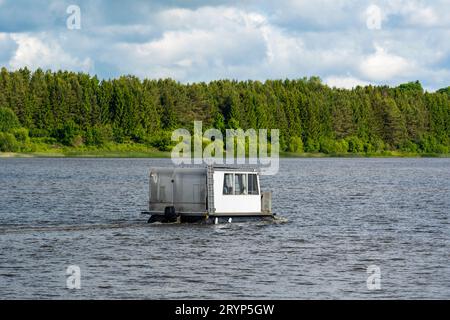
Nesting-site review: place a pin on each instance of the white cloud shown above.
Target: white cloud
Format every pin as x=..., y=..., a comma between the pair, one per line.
x=239, y=40
x=316, y=15
x=221, y=42
x=382, y=66
x=34, y=53
x=346, y=82
x=201, y=44
x=417, y=13
x=224, y=42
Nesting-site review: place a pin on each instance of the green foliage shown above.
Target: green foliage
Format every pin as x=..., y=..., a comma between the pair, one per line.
x=39, y=133
x=445, y=90
x=377, y=145
x=355, y=145
x=162, y=141
x=233, y=123
x=168, y=118
x=341, y=146
x=327, y=145
x=8, y=142
x=219, y=122
x=44, y=140
x=68, y=134
x=312, y=145
x=118, y=135
x=409, y=146
x=99, y=135
x=77, y=141
x=139, y=135
x=8, y=120
x=21, y=135
x=430, y=144
x=295, y=144
x=77, y=109
x=332, y=146
x=411, y=86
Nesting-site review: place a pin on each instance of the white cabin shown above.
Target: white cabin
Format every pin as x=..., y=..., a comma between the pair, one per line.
x=212, y=191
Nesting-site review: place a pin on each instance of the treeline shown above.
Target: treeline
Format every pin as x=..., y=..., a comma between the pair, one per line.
x=75, y=109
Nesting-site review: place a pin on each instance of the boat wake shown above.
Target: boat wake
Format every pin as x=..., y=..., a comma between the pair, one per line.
x=67, y=228
x=14, y=229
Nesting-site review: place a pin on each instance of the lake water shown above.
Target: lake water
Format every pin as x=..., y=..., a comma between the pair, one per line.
x=343, y=215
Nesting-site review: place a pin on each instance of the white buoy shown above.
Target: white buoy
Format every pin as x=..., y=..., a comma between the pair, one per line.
x=216, y=221
x=229, y=220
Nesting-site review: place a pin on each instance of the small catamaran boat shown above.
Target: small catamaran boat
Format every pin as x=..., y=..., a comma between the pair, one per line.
x=211, y=194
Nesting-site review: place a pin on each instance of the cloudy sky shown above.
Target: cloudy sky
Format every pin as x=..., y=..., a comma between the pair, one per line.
x=345, y=42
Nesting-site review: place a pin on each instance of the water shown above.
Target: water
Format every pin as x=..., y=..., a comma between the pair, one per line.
x=343, y=215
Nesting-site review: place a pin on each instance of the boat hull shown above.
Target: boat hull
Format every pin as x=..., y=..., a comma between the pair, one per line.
x=208, y=219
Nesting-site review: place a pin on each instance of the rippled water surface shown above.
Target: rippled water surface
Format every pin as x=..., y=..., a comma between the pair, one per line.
x=343, y=215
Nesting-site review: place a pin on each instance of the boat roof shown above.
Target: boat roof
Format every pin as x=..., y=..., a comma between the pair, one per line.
x=202, y=168
x=235, y=168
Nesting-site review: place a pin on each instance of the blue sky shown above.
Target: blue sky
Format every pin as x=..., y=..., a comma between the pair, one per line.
x=345, y=42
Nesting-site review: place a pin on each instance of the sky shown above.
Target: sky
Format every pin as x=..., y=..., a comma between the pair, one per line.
x=344, y=42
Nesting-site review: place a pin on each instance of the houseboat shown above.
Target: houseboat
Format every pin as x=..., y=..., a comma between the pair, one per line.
x=211, y=194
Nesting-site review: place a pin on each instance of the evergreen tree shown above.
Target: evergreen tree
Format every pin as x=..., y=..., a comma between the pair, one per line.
x=73, y=107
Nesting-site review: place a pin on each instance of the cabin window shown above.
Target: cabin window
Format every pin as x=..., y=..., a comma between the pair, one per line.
x=228, y=183
x=253, y=184
x=240, y=183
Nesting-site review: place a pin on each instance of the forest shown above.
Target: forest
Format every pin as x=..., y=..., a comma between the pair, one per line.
x=44, y=110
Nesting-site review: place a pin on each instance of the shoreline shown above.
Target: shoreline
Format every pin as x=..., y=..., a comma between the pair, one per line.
x=166, y=155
